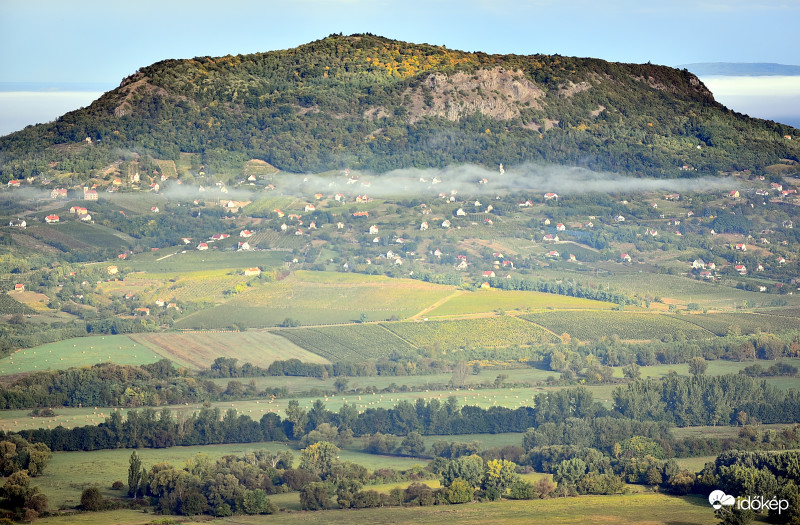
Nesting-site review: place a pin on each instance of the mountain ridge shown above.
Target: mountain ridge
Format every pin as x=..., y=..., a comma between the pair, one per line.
x=373, y=103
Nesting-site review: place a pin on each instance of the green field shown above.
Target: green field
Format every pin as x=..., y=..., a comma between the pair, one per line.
x=627, y=325
x=495, y=331
x=196, y=286
x=68, y=473
x=644, y=509
x=321, y=298
x=82, y=351
x=9, y=305
x=492, y=300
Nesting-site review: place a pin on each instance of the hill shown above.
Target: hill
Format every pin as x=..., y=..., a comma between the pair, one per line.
x=367, y=102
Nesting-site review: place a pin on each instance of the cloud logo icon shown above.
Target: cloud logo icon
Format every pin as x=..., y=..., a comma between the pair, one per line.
x=719, y=499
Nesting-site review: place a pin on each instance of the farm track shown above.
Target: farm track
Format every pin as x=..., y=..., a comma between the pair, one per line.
x=436, y=305
x=412, y=345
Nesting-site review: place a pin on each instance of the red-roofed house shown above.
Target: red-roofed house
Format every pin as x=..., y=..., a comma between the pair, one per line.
x=51, y=219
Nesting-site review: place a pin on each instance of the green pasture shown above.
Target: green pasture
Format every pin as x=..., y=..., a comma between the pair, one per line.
x=68, y=473
x=491, y=300
x=721, y=367
x=95, y=234
x=743, y=322
x=81, y=351
x=594, y=325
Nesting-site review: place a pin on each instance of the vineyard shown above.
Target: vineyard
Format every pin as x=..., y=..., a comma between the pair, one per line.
x=587, y=326
x=9, y=305
x=175, y=260
x=743, y=323
x=322, y=298
x=92, y=234
x=347, y=343
x=491, y=300
x=498, y=331
x=270, y=239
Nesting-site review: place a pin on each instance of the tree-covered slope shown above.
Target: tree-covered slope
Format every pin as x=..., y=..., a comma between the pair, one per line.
x=368, y=102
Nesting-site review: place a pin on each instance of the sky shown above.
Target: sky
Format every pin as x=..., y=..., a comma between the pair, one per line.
x=101, y=42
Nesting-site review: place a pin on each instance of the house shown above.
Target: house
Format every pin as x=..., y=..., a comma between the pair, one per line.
x=310, y=207
x=279, y=212
x=488, y=273
x=698, y=264
x=572, y=258
x=18, y=223
x=19, y=287
x=202, y=246
x=690, y=213
x=560, y=227
x=339, y=225
x=775, y=186
x=550, y=196
x=485, y=285
x=526, y=204
x=243, y=246
x=361, y=214
x=245, y=234
x=122, y=256
x=154, y=209
x=86, y=218
x=477, y=204
x=376, y=240
x=762, y=192
x=488, y=221
x=373, y=229
x=619, y=218
x=445, y=224
x=788, y=224
x=312, y=225
x=550, y=238
x=705, y=274
x=186, y=240
x=318, y=196
x=589, y=224
x=398, y=261
x=508, y=263
x=78, y=210
x=652, y=233
x=112, y=270
x=741, y=247
x=460, y=212
x=553, y=254
x=284, y=227
x=546, y=222
x=14, y=183
x=298, y=232
x=462, y=265
x=672, y=197
x=437, y=253
x=734, y=194
x=155, y=187
x=423, y=226
x=50, y=219
x=219, y=236
x=252, y=271
x=781, y=260
x=625, y=257
x=89, y=195
x=741, y=268
x=58, y=193
x=711, y=266
x=142, y=311
x=339, y=197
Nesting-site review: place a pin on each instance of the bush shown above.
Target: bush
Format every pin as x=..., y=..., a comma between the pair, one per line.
x=117, y=485
x=522, y=490
x=460, y=492
x=92, y=500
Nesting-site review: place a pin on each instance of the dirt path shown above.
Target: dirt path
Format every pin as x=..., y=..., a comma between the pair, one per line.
x=435, y=305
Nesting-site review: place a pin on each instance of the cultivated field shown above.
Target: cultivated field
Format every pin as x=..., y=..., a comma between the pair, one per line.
x=491, y=300
x=593, y=325
x=200, y=349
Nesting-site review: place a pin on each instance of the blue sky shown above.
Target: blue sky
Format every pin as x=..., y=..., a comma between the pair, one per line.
x=104, y=41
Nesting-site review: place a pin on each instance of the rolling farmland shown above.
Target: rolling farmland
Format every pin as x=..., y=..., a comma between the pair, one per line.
x=589, y=325
x=490, y=300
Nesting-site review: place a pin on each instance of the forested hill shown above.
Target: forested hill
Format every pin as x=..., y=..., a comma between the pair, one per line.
x=368, y=102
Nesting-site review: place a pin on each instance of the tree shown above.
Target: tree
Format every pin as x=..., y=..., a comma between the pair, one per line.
x=340, y=384
x=500, y=474
x=134, y=474
x=297, y=416
x=319, y=459
x=256, y=502
x=459, y=491
x=697, y=366
x=413, y=444
x=317, y=496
